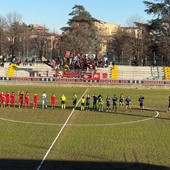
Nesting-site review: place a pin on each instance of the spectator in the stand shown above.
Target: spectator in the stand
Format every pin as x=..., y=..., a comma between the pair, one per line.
x=13, y=59
x=2, y=64
x=33, y=60
x=54, y=63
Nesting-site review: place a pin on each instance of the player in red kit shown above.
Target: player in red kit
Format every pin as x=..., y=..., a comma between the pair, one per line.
x=53, y=101
x=21, y=96
x=7, y=99
x=3, y=99
x=27, y=100
x=35, y=100
x=12, y=99
x=0, y=99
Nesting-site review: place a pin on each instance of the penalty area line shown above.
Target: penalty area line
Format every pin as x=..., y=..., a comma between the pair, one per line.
x=58, y=135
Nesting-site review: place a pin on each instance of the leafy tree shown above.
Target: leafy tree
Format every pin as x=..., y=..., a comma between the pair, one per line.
x=81, y=35
x=160, y=28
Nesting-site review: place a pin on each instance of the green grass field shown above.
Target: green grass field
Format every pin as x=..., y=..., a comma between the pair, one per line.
x=89, y=140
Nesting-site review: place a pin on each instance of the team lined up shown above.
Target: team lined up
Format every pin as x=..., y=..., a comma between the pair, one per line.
x=9, y=100
x=98, y=102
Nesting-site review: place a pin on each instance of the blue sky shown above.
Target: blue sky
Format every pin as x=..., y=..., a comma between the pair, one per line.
x=54, y=13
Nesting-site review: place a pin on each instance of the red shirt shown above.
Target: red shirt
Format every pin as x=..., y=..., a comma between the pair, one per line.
x=7, y=97
x=21, y=97
x=53, y=99
x=0, y=96
x=27, y=98
x=12, y=98
x=3, y=97
x=35, y=98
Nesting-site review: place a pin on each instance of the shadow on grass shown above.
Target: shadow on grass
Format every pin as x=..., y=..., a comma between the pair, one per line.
x=6, y=164
x=122, y=112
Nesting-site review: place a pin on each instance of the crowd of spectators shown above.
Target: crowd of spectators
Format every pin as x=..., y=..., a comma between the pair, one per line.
x=3, y=60
x=78, y=62
x=83, y=62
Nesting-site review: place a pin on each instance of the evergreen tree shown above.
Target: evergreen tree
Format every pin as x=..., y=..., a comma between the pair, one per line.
x=160, y=28
x=81, y=35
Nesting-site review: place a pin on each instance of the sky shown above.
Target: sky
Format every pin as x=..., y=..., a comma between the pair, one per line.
x=54, y=13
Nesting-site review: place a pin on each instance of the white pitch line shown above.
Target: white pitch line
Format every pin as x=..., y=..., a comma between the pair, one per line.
x=58, y=135
x=34, y=123
x=118, y=123
x=101, y=124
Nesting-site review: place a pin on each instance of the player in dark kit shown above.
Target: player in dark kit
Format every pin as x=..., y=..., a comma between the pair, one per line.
x=108, y=101
x=95, y=98
x=128, y=103
x=141, y=102
x=114, y=99
x=88, y=103
x=121, y=100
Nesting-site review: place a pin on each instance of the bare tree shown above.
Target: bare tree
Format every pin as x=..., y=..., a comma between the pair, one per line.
x=13, y=29
x=134, y=19
x=2, y=36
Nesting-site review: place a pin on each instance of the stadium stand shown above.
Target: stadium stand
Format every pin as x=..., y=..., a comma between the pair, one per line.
x=140, y=72
x=167, y=73
x=106, y=71
x=116, y=72
x=39, y=69
x=11, y=70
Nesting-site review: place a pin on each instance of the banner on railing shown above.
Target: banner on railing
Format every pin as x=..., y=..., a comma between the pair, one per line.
x=92, y=78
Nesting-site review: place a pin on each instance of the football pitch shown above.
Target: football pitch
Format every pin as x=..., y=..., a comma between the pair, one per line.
x=33, y=139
